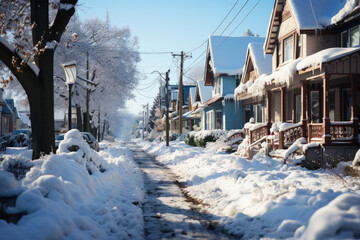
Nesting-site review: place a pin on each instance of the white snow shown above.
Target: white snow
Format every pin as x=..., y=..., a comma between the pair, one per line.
x=262, y=61
x=284, y=75
x=66, y=6
x=311, y=14
x=228, y=53
x=348, y=8
x=204, y=91
x=63, y=200
x=263, y=198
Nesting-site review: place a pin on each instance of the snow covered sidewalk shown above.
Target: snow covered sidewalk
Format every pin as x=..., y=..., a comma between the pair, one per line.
x=168, y=212
x=76, y=195
x=263, y=198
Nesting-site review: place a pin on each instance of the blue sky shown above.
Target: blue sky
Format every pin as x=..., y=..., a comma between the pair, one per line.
x=174, y=26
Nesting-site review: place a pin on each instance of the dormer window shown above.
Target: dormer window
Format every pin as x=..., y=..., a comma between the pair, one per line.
x=288, y=48
x=217, y=86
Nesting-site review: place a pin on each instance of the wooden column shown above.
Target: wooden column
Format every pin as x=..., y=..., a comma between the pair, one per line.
x=268, y=110
x=354, y=118
x=283, y=104
x=326, y=119
x=304, y=110
x=293, y=113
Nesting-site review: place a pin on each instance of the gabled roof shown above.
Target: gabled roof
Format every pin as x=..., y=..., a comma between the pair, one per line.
x=203, y=93
x=226, y=55
x=309, y=15
x=262, y=62
x=192, y=94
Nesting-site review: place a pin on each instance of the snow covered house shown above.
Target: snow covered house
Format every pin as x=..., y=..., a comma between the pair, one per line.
x=225, y=59
x=313, y=90
x=202, y=94
x=256, y=64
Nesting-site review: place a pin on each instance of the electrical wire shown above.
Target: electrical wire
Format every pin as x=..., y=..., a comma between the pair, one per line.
x=234, y=17
x=143, y=95
x=155, y=53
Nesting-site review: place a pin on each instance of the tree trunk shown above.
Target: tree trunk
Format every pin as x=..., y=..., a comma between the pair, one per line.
x=41, y=100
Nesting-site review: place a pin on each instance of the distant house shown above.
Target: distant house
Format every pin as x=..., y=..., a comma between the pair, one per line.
x=202, y=94
x=225, y=59
x=9, y=116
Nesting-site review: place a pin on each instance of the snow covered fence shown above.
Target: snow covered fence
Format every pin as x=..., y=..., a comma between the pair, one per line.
x=76, y=194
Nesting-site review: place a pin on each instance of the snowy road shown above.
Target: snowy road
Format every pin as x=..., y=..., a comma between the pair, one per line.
x=168, y=212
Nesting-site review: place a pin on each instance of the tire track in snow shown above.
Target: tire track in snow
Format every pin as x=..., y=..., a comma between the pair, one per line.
x=169, y=212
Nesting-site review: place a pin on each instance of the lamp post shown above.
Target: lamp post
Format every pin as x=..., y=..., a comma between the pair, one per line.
x=70, y=74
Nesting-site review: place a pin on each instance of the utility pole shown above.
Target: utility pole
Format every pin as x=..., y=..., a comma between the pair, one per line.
x=143, y=126
x=181, y=93
x=167, y=107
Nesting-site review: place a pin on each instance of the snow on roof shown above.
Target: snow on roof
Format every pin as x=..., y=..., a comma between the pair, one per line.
x=204, y=91
x=228, y=53
x=285, y=74
x=346, y=10
x=192, y=94
x=25, y=117
x=262, y=62
x=318, y=14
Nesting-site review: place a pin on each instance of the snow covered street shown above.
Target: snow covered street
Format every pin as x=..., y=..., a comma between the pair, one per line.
x=262, y=197
x=168, y=212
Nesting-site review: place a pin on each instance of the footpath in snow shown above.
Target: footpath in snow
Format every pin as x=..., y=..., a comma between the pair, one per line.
x=78, y=194
x=263, y=198
x=168, y=212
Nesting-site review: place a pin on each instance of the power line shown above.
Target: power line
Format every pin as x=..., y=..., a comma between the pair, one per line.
x=155, y=53
x=225, y=17
x=234, y=17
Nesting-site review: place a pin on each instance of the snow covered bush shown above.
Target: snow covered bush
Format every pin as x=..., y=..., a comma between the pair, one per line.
x=14, y=140
x=356, y=161
x=17, y=165
x=201, y=138
x=74, y=147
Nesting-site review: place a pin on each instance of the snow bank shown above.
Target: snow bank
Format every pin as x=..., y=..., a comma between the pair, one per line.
x=260, y=198
x=339, y=219
x=62, y=199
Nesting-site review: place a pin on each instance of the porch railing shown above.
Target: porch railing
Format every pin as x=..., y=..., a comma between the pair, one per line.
x=257, y=133
x=341, y=131
x=289, y=135
x=316, y=132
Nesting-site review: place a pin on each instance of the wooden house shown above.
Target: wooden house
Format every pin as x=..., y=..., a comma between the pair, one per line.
x=314, y=84
x=223, y=69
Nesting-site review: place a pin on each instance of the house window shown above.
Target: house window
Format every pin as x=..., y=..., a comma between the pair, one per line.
x=288, y=48
x=344, y=39
x=257, y=113
x=289, y=105
x=217, y=86
x=354, y=37
x=315, y=109
x=248, y=112
x=279, y=54
x=209, y=120
x=218, y=119
x=332, y=104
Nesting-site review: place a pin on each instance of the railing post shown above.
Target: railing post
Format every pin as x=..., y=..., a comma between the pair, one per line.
x=310, y=133
x=281, y=140
x=326, y=119
x=354, y=118
x=268, y=111
x=283, y=104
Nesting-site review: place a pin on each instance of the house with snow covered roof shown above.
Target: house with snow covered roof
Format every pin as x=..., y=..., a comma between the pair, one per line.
x=313, y=90
x=257, y=64
x=225, y=59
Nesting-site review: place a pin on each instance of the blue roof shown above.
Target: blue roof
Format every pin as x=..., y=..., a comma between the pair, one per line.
x=9, y=107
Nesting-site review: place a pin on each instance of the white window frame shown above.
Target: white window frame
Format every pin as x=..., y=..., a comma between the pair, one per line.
x=217, y=86
x=210, y=120
x=291, y=52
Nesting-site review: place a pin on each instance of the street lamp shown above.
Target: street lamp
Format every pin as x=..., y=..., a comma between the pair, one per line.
x=70, y=74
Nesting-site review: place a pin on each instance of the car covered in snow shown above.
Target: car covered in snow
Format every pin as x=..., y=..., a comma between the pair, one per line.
x=88, y=138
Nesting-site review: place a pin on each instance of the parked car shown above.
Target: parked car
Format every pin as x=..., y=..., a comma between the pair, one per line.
x=88, y=137
x=91, y=140
x=26, y=131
